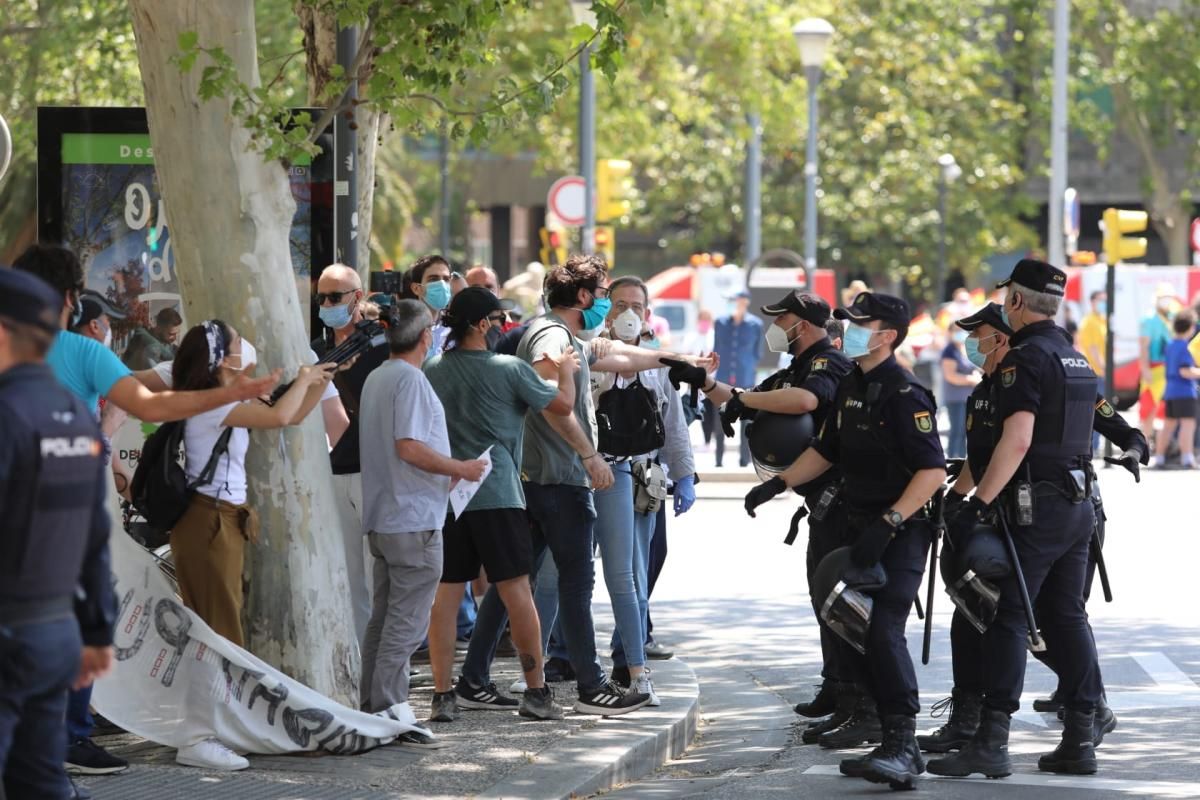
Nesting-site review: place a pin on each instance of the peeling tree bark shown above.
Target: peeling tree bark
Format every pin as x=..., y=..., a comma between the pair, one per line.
x=230, y=214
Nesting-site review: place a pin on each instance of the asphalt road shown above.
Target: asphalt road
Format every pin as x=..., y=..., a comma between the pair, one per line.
x=733, y=601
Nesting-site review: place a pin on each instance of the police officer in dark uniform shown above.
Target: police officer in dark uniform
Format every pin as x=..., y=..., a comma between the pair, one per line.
x=986, y=348
x=1037, y=481
x=56, y=602
x=807, y=386
x=883, y=435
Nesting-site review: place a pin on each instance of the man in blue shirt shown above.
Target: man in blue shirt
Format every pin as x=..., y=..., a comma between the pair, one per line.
x=738, y=340
x=89, y=370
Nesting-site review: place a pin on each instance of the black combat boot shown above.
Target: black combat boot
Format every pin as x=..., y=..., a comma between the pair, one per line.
x=1051, y=703
x=1075, y=754
x=986, y=753
x=965, y=708
x=846, y=696
x=861, y=728
x=1105, y=722
x=897, y=761
x=824, y=704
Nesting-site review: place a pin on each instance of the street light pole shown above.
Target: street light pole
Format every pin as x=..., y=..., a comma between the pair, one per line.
x=754, y=190
x=812, y=37
x=813, y=76
x=587, y=148
x=947, y=174
x=1058, y=133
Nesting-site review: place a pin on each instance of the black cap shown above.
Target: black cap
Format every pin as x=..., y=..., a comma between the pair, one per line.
x=809, y=307
x=94, y=304
x=988, y=315
x=471, y=305
x=28, y=299
x=872, y=305
x=1038, y=276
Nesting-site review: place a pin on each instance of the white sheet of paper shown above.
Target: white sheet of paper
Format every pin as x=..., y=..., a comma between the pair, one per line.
x=463, y=491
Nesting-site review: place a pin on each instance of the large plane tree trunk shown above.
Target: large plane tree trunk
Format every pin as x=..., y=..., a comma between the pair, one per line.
x=230, y=213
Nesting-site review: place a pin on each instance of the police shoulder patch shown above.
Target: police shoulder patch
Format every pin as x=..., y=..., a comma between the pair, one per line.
x=1105, y=408
x=1008, y=376
x=819, y=363
x=970, y=422
x=924, y=421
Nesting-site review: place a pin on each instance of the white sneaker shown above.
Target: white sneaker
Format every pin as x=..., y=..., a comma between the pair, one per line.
x=518, y=687
x=643, y=686
x=210, y=754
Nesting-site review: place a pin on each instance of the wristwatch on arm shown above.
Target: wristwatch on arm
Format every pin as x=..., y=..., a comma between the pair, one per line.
x=893, y=518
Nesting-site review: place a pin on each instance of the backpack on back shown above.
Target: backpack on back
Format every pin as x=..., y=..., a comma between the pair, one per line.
x=160, y=488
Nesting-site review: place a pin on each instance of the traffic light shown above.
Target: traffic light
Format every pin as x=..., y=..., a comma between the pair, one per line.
x=614, y=188
x=554, y=247
x=1117, y=221
x=606, y=243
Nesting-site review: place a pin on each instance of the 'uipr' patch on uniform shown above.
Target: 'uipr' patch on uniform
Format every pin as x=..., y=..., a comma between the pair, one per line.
x=1105, y=408
x=819, y=363
x=1008, y=376
x=924, y=421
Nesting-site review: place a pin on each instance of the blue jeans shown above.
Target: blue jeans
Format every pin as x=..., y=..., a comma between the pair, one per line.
x=624, y=537
x=38, y=663
x=956, y=445
x=562, y=519
x=466, y=614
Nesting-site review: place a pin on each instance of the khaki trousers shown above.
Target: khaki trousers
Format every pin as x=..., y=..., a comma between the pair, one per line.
x=209, y=544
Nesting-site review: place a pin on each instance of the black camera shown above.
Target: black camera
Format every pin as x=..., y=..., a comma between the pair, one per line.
x=386, y=282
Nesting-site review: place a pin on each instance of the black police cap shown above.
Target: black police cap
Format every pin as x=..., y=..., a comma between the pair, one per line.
x=1038, y=276
x=27, y=299
x=805, y=305
x=872, y=305
x=988, y=315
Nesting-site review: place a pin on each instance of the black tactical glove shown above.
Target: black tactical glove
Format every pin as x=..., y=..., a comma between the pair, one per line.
x=732, y=412
x=683, y=372
x=952, y=505
x=1130, y=460
x=764, y=492
x=970, y=514
x=871, y=542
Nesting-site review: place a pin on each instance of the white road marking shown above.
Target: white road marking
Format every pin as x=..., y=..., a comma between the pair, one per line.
x=1155, y=788
x=1171, y=689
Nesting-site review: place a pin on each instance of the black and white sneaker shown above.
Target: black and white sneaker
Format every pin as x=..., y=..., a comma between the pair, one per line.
x=610, y=701
x=539, y=704
x=486, y=698
x=85, y=757
x=415, y=740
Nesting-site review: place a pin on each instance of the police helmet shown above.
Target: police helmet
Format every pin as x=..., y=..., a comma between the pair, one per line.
x=841, y=593
x=777, y=440
x=970, y=571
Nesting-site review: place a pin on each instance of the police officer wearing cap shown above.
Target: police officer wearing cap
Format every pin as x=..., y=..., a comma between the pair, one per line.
x=883, y=435
x=1036, y=482
x=56, y=602
x=807, y=386
x=987, y=345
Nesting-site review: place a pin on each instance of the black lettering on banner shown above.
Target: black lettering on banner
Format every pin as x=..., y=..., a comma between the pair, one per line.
x=138, y=618
x=302, y=725
x=172, y=623
x=323, y=744
x=274, y=698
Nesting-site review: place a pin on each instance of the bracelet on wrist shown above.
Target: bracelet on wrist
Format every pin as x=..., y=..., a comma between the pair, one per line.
x=593, y=455
x=707, y=389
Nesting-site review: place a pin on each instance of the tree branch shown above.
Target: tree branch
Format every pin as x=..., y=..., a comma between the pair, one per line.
x=332, y=110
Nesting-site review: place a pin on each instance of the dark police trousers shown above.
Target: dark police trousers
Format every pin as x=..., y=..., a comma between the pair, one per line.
x=887, y=668
x=38, y=663
x=1054, y=557
x=823, y=538
x=966, y=643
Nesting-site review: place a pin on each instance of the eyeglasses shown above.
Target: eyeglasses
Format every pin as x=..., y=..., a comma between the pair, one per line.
x=333, y=297
x=496, y=319
x=600, y=292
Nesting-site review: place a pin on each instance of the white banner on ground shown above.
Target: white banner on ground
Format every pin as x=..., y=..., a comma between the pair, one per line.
x=176, y=682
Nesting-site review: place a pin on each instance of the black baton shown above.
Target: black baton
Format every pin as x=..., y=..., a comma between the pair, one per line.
x=939, y=526
x=1019, y=574
x=1098, y=555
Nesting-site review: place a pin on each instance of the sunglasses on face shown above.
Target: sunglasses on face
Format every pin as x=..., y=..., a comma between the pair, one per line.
x=333, y=297
x=496, y=319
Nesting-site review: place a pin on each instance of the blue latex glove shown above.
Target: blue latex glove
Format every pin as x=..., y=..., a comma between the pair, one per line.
x=685, y=494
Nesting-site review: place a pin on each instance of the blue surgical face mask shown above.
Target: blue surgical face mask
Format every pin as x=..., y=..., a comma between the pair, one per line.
x=593, y=317
x=437, y=295
x=336, y=317
x=1101, y=308
x=857, y=341
x=973, y=353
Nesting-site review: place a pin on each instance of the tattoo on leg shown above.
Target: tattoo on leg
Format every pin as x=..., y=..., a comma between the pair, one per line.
x=527, y=662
